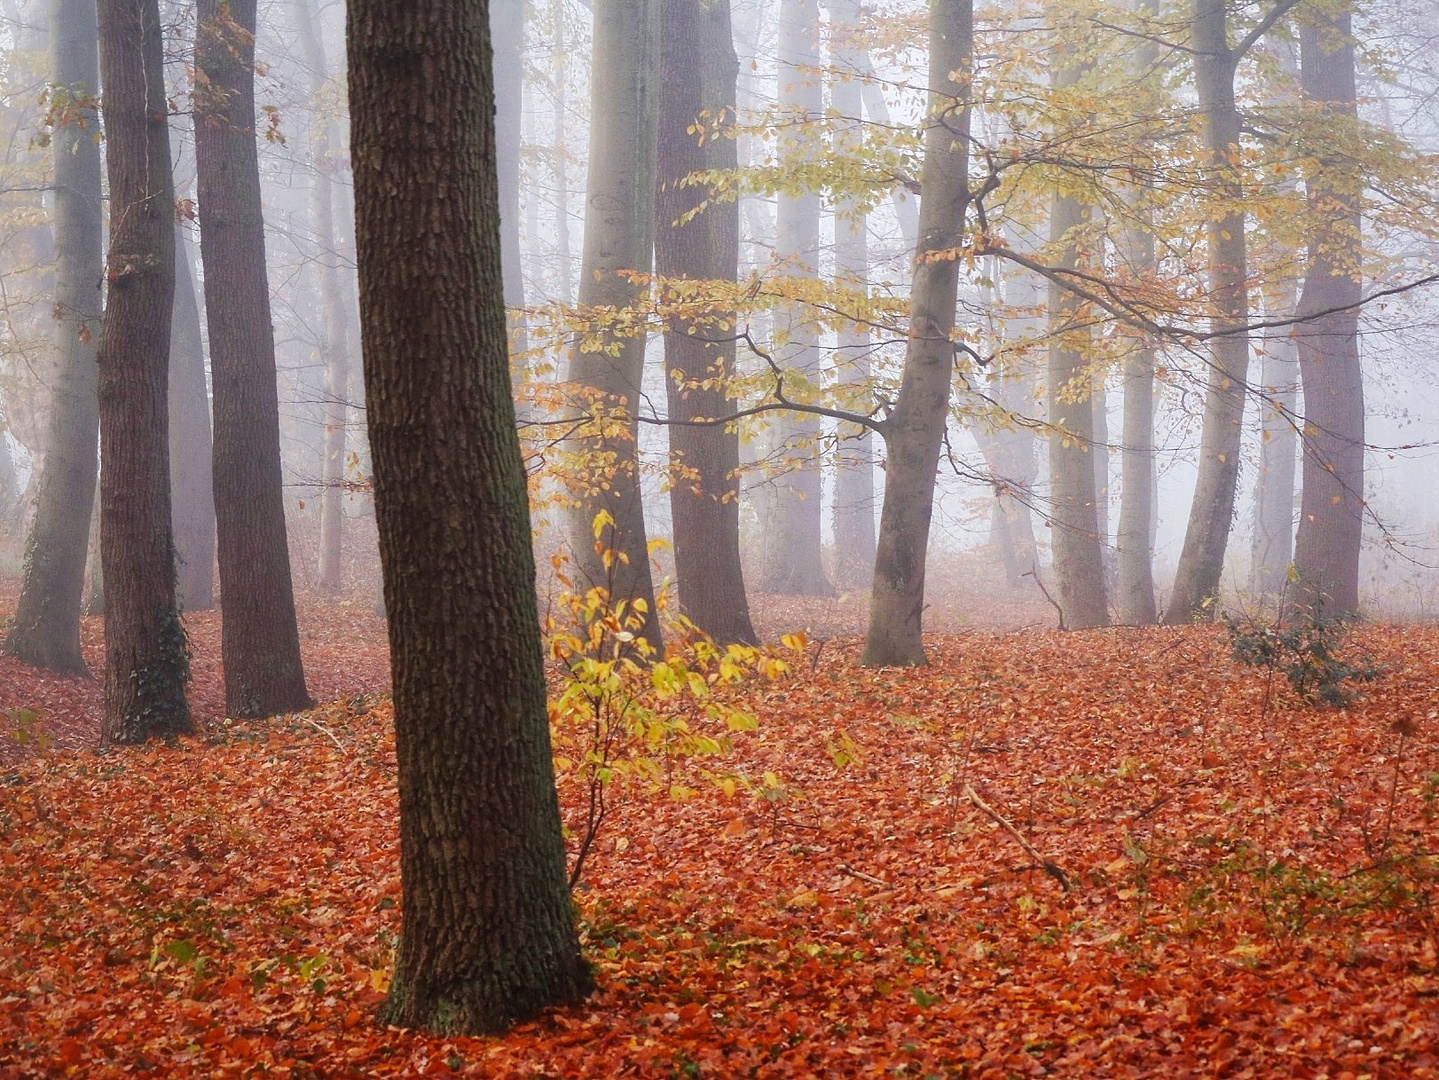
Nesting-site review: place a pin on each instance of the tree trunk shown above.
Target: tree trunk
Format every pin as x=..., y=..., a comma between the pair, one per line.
x=1134, y=584
x=854, y=494
x=46, y=631
x=260, y=643
x=698, y=64
x=1201, y=561
x=146, y=657
x=1331, y=510
x=1273, y=545
x=793, y=545
x=507, y=31
x=914, y=431
x=606, y=368
x=487, y=936
x=192, y=490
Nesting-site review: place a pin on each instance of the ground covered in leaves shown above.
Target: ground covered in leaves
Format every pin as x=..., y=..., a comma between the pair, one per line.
x=1250, y=880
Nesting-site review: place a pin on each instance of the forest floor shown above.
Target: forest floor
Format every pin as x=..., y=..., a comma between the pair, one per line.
x=1251, y=878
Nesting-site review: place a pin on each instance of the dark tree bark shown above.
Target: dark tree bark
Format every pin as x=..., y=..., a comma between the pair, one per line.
x=487, y=937
x=46, y=631
x=192, y=491
x=619, y=240
x=698, y=64
x=146, y=659
x=260, y=642
x=914, y=431
x=1331, y=509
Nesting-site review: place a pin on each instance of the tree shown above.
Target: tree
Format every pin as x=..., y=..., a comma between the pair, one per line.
x=487, y=936
x=46, y=631
x=260, y=641
x=606, y=367
x=1331, y=509
x=698, y=64
x=914, y=431
x=192, y=493
x=146, y=660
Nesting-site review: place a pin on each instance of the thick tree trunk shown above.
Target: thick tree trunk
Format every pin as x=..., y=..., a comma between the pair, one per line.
x=606, y=369
x=1331, y=510
x=46, y=631
x=697, y=62
x=146, y=658
x=1201, y=561
x=854, y=493
x=192, y=490
x=795, y=537
x=260, y=642
x=488, y=937
x=914, y=431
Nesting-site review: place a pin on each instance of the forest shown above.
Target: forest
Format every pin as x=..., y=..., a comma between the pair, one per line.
x=719, y=538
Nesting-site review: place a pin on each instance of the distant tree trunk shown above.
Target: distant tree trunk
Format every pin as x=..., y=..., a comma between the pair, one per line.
x=330, y=573
x=507, y=31
x=1273, y=544
x=146, y=657
x=697, y=63
x=46, y=631
x=192, y=491
x=260, y=643
x=914, y=431
x=1201, y=561
x=488, y=937
x=794, y=538
x=854, y=494
x=1331, y=510
x=1134, y=584
x=619, y=236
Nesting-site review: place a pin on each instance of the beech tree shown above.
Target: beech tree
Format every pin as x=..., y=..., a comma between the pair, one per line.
x=192, y=492
x=487, y=937
x=260, y=641
x=146, y=659
x=46, y=631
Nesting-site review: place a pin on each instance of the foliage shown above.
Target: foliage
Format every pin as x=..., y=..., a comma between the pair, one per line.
x=1307, y=650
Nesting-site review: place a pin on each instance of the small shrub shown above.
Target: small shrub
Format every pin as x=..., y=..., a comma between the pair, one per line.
x=1307, y=651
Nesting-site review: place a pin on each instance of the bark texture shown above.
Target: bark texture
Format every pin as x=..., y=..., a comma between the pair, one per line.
x=1201, y=560
x=260, y=642
x=46, y=631
x=914, y=431
x=1331, y=510
x=146, y=659
x=606, y=369
x=698, y=64
x=487, y=937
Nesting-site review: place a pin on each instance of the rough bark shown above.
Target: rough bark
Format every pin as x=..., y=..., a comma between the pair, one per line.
x=260, y=642
x=192, y=492
x=46, y=631
x=1331, y=509
x=794, y=534
x=914, y=431
x=487, y=936
x=607, y=370
x=854, y=493
x=698, y=64
x=146, y=659
x=1201, y=560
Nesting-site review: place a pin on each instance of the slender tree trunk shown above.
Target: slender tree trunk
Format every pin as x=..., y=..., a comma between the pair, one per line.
x=192, y=489
x=606, y=369
x=854, y=494
x=260, y=642
x=146, y=658
x=488, y=937
x=1134, y=585
x=914, y=431
x=46, y=631
x=1201, y=561
x=1273, y=544
x=1331, y=510
x=507, y=32
x=697, y=61
x=795, y=537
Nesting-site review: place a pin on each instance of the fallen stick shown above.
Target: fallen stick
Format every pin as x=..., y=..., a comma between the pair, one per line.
x=845, y=868
x=326, y=732
x=1049, y=866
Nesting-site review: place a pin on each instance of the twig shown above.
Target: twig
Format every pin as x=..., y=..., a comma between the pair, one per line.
x=327, y=733
x=1050, y=867
x=845, y=868
x=1034, y=573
